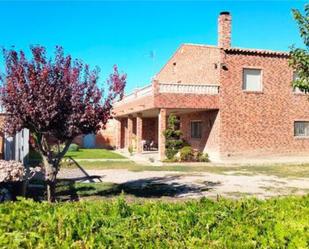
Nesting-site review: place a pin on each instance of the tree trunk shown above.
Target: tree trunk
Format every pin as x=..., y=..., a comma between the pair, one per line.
x=51, y=171
x=51, y=191
x=51, y=164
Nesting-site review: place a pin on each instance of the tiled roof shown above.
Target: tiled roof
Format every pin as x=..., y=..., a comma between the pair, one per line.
x=234, y=50
x=241, y=50
x=196, y=63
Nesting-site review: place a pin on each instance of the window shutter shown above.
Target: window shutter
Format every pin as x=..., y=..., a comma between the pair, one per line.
x=252, y=80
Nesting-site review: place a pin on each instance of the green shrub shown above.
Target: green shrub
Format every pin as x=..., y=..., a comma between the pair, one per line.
x=130, y=150
x=248, y=223
x=73, y=147
x=185, y=143
x=173, y=137
x=172, y=148
x=203, y=157
x=186, y=154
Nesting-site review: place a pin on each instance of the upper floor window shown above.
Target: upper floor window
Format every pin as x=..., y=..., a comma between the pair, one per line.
x=252, y=79
x=301, y=128
x=196, y=129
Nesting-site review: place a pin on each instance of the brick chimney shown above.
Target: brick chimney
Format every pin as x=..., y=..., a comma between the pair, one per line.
x=224, y=29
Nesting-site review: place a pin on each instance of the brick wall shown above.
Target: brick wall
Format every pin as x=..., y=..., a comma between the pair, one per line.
x=260, y=122
x=194, y=101
x=166, y=100
x=134, y=106
x=210, y=131
x=192, y=64
x=105, y=138
x=224, y=30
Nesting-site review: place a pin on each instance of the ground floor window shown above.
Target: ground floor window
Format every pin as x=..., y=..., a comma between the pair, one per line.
x=301, y=128
x=196, y=129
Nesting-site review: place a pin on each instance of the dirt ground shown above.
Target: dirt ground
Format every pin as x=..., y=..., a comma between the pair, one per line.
x=232, y=184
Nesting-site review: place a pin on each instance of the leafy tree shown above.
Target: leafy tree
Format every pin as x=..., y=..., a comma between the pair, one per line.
x=57, y=99
x=300, y=57
x=173, y=137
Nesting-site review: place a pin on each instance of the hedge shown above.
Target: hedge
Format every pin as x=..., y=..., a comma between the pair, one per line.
x=246, y=223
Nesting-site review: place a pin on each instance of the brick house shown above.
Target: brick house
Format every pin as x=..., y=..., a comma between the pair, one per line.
x=231, y=102
x=103, y=139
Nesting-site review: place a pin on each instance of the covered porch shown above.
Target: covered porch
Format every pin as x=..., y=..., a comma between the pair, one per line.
x=143, y=131
x=142, y=116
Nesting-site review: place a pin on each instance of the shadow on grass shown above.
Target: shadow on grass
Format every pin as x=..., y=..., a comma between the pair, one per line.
x=75, y=188
x=155, y=187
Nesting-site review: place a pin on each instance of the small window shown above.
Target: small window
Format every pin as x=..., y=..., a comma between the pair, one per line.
x=301, y=128
x=196, y=129
x=252, y=80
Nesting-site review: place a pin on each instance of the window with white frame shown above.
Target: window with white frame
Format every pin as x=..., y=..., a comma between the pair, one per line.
x=252, y=79
x=301, y=128
x=196, y=129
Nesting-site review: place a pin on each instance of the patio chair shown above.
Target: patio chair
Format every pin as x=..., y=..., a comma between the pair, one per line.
x=151, y=145
x=146, y=145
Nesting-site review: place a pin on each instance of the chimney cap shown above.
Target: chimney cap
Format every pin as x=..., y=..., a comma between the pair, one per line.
x=224, y=13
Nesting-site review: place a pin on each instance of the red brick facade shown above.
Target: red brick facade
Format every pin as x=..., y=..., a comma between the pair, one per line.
x=192, y=64
x=209, y=143
x=234, y=122
x=224, y=30
x=260, y=122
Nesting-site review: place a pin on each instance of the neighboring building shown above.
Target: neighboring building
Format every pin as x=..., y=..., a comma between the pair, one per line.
x=230, y=101
x=104, y=139
x=16, y=147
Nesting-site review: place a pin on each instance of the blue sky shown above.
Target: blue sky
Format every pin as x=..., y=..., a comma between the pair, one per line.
x=126, y=33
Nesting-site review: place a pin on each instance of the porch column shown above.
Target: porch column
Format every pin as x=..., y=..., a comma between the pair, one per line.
x=129, y=131
x=118, y=133
x=161, y=138
x=139, y=132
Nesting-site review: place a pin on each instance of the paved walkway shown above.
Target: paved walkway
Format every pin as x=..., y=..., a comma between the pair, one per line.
x=266, y=160
x=152, y=158
x=145, y=158
x=194, y=185
x=102, y=160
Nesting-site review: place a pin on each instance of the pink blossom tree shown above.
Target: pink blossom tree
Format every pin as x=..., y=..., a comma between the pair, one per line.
x=57, y=99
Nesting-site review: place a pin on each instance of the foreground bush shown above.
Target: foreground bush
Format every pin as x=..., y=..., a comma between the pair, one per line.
x=11, y=171
x=276, y=223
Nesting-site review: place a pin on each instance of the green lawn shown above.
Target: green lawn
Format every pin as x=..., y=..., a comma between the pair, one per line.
x=276, y=170
x=245, y=223
x=93, y=154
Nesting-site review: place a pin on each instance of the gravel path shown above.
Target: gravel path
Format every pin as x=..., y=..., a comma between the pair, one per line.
x=194, y=185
